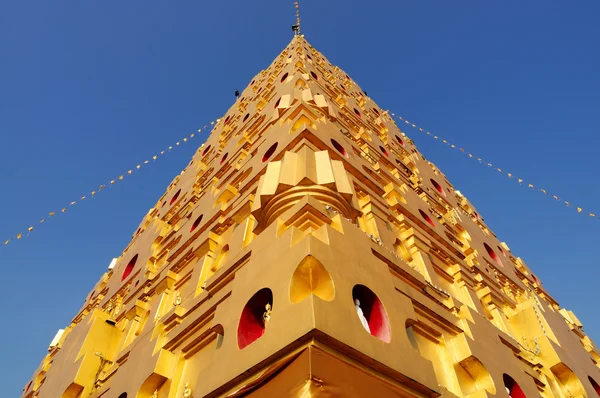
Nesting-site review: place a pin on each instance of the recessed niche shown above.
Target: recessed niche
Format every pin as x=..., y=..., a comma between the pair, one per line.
x=376, y=111
x=269, y=152
x=28, y=386
x=254, y=318
x=174, y=198
x=227, y=119
x=206, y=150
x=595, y=385
x=371, y=313
x=357, y=112
x=338, y=147
x=426, y=218
x=277, y=103
x=92, y=294
x=410, y=332
x=123, y=395
x=383, y=150
x=163, y=204
x=311, y=277
x=284, y=77
x=512, y=387
x=314, y=75
x=129, y=268
x=438, y=187
x=224, y=158
x=474, y=377
x=196, y=223
x=492, y=254
x=501, y=250
x=246, y=117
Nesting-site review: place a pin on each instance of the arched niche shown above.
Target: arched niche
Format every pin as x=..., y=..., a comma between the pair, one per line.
x=474, y=377
x=311, y=277
x=153, y=383
x=74, y=391
x=513, y=389
x=371, y=313
x=568, y=380
x=595, y=385
x=254, y=317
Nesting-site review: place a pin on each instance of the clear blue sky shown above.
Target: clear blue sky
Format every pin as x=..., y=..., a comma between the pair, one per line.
x=90, y=89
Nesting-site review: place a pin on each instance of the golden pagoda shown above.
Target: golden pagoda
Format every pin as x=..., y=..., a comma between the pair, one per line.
x=309, y=250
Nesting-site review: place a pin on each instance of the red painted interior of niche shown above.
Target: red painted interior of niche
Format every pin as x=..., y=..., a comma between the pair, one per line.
x=339, y=147
x=513, y=387
x=174, y=198
x=269, y=152
x=357, y=112
x=196, y=223
x=129, y=268
x=438, y=187
x=595, y=385
x=426, y=218
x=374, y=312
x=224, y=158
x=492, y=254
x=382, y=149
x=251, y=326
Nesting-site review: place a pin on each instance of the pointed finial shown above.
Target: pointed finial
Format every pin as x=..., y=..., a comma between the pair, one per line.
x=296, y=27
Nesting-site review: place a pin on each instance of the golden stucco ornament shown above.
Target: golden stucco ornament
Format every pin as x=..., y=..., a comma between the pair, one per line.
x=267, y=314
x=187, y=391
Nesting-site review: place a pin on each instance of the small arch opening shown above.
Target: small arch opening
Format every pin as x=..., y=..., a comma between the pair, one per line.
x=255, y=317
x=512, y=387
x=492, y=254
x=284, y=77
x=246, y=117
x=123, y=395
x=129, y=268
x=206, y=150
x=224, y=158
x=357, y=112
x=371, y=313
x=314, y=75
x=400, y=141
x=595, y=385
x=269, y=152
x=426, y=218
x=175, y=197
x=339, y=147
x=438, y=187
x=384, y=151
x=277, y=103
x=196, y=223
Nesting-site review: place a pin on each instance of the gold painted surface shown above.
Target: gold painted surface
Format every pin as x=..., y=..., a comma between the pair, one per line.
x=343, y=199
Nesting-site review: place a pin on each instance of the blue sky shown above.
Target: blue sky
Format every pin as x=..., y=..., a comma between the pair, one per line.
x=90, y=89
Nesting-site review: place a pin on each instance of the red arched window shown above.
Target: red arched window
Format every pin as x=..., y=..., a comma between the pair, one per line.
x=129, y=268
x=175, y=197
x=438, y=187
x=372, y=312
x=492, y=254
x=426, y=218
x=595, y=385
x=254, y=317
x=512, y=388
x=269, y=152
x=338, y=147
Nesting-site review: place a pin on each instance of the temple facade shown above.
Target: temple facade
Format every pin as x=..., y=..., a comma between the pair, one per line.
x=309, y=250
